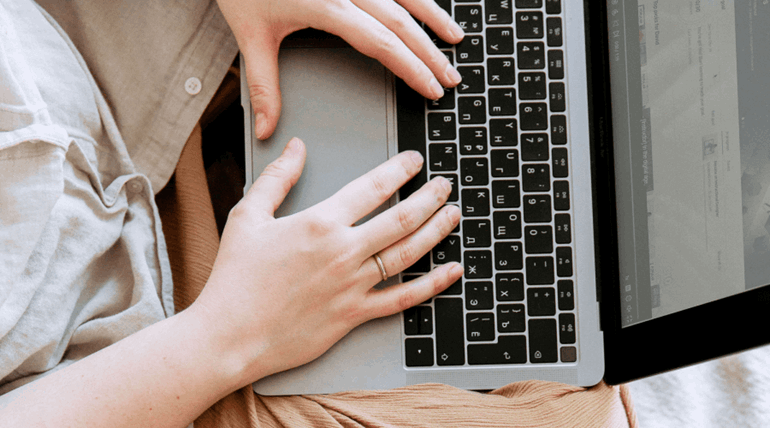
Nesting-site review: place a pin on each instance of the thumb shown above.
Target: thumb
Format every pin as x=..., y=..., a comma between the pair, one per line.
x=261, y=58
x=275, y=182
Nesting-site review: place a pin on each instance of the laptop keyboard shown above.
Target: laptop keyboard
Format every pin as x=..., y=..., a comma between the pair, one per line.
x=500, y=137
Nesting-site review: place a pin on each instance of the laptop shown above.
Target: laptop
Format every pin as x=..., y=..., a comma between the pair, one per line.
x=612, y=163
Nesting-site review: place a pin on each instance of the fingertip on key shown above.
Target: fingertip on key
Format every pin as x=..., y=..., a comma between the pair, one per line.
x=436, y=89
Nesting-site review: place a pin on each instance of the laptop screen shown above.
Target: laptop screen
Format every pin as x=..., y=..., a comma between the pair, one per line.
x=690, y=85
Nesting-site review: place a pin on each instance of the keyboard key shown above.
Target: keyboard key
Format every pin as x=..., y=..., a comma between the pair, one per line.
x=448, y=250
x=508, y=256
x=561, y=195
x=534, y=147
x=566, y=295
x=534, y=116
x=421, y=266
x=443, y=157
x=555, y=64
x=478, y=295
x=501, y=71
x=536, y=177
x=473, y=79
x=477, y=233
x=568, y=354
x=410, y=116
x=537, y=209
x=454, y=195
x=468, y=18
x=446, y=5
x=450, y=344
x=506, y=194
x=558, y=97
x=473, y=110
x=529, y=25
x=563, y=228
x=498, y=12
x=529, y=4
x=442, y=126
x=502, y=102
x=553, y=31
x=447, y=102
x=499, y=41
x=511, y=319
x=480, y=327
x=508, y=350
x=419, y=352
x=412, y=321
x=509, y=286
x=474, y=171
x=531, y=55
x=478, y=264
x=426, y=319
x=539, y=270
x=507, y=224
x=566, y=328
x=470, y=49
x=560, y=162
x=538, y=239
x=542, y=341
x=503, y=132
x=473, y=141
x=505, y=163
x=541, y=301
x=558, y=130
x=553, y=7
x=532, y=86
x=455, y=289
x=564, y=261
x=475, y=202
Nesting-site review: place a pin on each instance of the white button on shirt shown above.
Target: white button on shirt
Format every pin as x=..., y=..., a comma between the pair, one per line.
x=192, y=86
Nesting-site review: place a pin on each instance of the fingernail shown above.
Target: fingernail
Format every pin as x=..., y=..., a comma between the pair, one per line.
x=261, y=125
x=445, y=183
x=292, y=146
x=454, y=214
x=436, y=88
x=452, y=75
x=456, y=270
x=416, y=157
x=457, y=31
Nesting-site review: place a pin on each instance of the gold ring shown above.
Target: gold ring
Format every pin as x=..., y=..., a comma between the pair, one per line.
x=381, y=265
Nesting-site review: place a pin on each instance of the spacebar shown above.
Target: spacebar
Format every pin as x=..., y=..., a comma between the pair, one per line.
x=410, y=121
x=450, y=342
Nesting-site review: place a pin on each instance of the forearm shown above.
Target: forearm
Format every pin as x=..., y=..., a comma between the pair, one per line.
x=163, y=376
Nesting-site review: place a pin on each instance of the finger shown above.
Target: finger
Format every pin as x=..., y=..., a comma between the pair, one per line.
x=260, y=55
x=433, y=15
x=370, y=37
x=410, y=249
x=403, y=219
x=392, y=300
x=364, y=194
x=272, y=186
x=398, y=20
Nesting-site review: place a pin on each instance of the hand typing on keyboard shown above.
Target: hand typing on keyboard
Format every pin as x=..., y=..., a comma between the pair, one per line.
x=282, y=291
x=381, y=29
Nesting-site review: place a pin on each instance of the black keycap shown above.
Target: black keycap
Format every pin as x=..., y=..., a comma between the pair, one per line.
x=505, y=163
x=555, y=64
x=442, y=126
x=473, y=79
x=454, y=195
x=475, y=202
x=511, y=319
x=498, y=12
x=558, y=98
x=470, y=49
x=542, y=341
x=426, y=319
x=477, y=233
x=503, y=132
x=480, y=327
x=453, y=290
x=536, y=177
x=410, y=117
x=419, y=352
x=553, y=31
x=529, y=25
x=473, y=141
x=501, y=71
x=446, y=5
x=538, y=239
x=561, y=195
x=450, y=342
x=539, y=270
x=560, y=162
x=506, y=194
x=412, y=321
x=541, y=301
x=564, y=261
x=499, y=41
x=473, y=110
x=534, y=147
x=537, y=209
x=558, y=130
x=502, y=102
x=438, y=41
x=508, y=255
x=553, y=7
x=443, y=157
x=566, y=295
x=529, y=4
x=468, y=18
x=534, y=116
x=568, y=354
x=509, y=286
x=448, y=250
x=563, y=228
x=530, y=55
x=532, y=86
x=447, y=102
x=567, y=328
x=507, y=224
x=474, y=171
x=508, y=350
x=478, y=264
x=422, y=265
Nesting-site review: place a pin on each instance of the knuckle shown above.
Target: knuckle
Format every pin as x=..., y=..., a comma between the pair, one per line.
x=319, y=226
x=238, y=211
x=406, y=255
x=400, y=19
x=381, y=186
x=407, y=218
x=260, y=89
x=406, y=299
x=385, y=43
